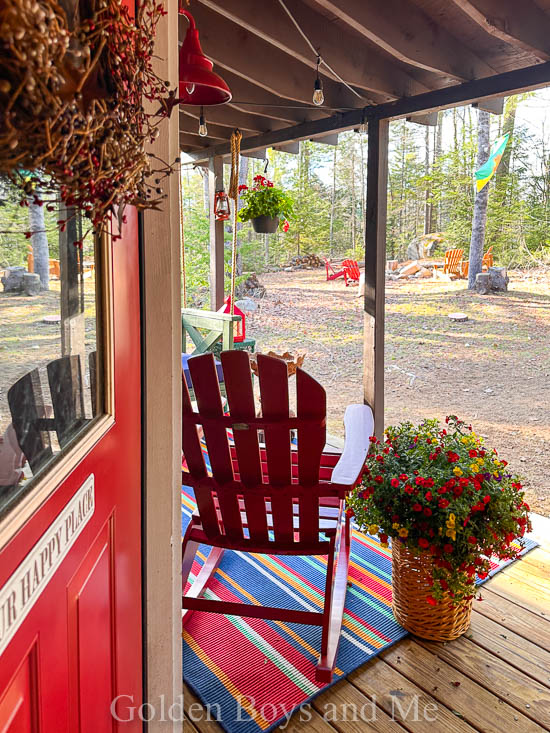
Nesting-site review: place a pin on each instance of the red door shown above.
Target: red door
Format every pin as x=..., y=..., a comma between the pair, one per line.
x=70, y=576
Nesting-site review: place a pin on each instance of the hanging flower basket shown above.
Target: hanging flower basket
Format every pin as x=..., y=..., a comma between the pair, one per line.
x=449, y=504
x=264, y=204
x=411, y=576
x=265, y=224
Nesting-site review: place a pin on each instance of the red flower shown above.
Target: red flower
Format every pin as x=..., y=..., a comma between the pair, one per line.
x=372, y=439
x=383, y=537
x=409, y=489
x=482, y=574
x=428, y=496
x=419, y=480
x=443, y=583
x=472, y=540
x=403, y=477
x=395, y=482
x=448, y=548
x=452, y=457
x=427, y=511
x=486, y=499
x=416, y=507
x=422, y=542
x=431, y=600
x=428, y=482
x=350, y=512
x=443, y=503
x=442, y=490
x=472, y=453
x=380, y=459
x=379, y=479
x=286, y=226
x=243, y=187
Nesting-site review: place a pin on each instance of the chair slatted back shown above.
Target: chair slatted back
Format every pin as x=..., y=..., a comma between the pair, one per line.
x=353, y=269
x=242, y=493
x=488, y=258
x=453, y=260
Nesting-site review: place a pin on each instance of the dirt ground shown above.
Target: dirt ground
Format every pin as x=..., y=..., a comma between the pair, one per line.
x=493, y=370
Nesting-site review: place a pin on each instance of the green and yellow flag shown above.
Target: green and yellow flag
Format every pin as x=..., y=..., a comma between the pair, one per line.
x=484, y=174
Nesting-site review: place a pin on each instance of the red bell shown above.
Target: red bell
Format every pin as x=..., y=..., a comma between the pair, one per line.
x=221, y=206
x=239, y=328
x=199, y=85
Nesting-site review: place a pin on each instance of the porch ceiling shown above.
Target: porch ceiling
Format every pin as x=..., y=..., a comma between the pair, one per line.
x=388, y=51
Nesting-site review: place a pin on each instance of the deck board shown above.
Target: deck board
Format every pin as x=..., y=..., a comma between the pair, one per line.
x=501, y=665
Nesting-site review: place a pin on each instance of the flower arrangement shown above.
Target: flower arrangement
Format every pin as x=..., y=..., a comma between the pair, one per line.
x=265, y=199
x=441, y=491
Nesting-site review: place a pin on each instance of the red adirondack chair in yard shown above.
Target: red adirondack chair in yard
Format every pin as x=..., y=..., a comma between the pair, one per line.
x=269, y=498
x=331, y=272
x=351, y=269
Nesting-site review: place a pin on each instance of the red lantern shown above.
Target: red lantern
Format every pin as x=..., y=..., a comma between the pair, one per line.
x=239, y=328
x=221, y=206
x=199, y=85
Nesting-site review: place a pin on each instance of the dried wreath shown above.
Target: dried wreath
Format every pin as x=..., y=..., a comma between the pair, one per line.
x=73, y=79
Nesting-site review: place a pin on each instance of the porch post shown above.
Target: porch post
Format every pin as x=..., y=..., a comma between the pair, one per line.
x=375, y=263
x=215, y=181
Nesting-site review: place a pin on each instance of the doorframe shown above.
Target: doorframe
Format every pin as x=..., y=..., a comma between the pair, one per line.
x=161, y=418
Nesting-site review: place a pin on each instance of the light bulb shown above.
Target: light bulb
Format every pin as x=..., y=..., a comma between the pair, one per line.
x=190, y=88
x=203, y=130
x=318, y=96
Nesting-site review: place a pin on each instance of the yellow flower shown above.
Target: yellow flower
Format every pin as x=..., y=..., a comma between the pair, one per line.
x=464, y=439
x=441, y=530
x=373, y=529
x=403, y=532
x=451, y=521
x=451, y=533
x=457, y=471
x=473, y=467
x=395, y=525
x=384, y=544
x=496, y=474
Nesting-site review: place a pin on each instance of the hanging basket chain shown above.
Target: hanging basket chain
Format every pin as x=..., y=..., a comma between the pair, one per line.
x=236, y=137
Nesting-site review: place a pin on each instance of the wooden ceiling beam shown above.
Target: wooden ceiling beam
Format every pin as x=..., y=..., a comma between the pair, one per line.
x=518, y=22
x=227, y=116
x=409, y=35
x=261, y=101
x=429, y=119
x=250, y=57
x=511, y=82
x=190, y=126
x=195, y=142
x=360, y=65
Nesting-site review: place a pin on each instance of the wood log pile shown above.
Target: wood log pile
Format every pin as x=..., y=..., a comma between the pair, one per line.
x=304, y=262
x=251, y=287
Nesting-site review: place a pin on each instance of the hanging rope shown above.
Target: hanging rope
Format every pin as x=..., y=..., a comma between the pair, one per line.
x=233, y=193
x=182, y=241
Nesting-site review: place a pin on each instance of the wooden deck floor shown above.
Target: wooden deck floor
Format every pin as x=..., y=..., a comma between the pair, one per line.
x=496, y=678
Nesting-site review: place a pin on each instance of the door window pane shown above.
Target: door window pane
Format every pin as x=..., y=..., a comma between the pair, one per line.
x=49, y=366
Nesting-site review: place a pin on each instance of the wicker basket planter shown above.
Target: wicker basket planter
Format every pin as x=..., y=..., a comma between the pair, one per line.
x=410, y=587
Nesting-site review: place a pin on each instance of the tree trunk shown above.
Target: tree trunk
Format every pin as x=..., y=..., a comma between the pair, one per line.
x=427, y=202
x=352, y=172
x=243, y=176
x=332, y=202
x=40, y=247
x=480, y=204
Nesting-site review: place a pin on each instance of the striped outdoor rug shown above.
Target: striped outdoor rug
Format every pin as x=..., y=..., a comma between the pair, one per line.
x=250, y=673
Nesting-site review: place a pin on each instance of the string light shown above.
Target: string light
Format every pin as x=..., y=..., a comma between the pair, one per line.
x=203, y=130
x=318, y=96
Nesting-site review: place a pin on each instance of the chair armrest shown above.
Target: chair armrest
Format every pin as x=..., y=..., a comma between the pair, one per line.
x=359, y=424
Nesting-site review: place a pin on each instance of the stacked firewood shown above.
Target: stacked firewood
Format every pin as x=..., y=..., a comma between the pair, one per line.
x=306, y=261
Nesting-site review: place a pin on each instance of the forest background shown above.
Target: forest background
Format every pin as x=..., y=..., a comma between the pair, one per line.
x=430, y=189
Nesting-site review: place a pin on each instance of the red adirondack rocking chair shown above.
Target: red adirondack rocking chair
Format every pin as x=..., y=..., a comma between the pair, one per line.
x=331, y=272
x=270, y=499
x=351, y=269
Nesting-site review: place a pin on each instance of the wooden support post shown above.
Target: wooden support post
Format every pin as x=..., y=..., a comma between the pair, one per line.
x=375, y=256
x=215, y=181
